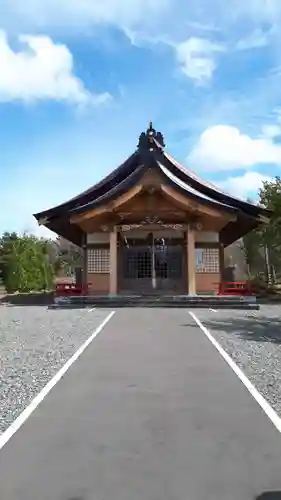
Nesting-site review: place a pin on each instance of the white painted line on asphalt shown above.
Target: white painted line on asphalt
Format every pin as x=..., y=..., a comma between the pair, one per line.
x=20, y=420
x=91, y=310
x=268, y=410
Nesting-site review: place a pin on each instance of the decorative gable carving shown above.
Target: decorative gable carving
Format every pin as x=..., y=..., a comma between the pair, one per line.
x=147, y=139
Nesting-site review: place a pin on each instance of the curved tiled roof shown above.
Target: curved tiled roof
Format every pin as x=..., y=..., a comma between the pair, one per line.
x=117, y=190
x=213, y=191
x=191, y=191
x=149, y=154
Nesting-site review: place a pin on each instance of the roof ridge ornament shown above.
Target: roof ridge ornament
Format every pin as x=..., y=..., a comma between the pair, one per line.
x=151, y=140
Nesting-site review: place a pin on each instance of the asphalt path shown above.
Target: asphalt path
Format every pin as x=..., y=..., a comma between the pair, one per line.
x=149, y=411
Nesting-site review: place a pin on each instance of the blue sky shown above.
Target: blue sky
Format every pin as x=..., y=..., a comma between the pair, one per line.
x=81, y=79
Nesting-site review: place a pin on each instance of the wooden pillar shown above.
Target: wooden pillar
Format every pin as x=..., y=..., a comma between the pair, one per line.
x=191, y=261
x=221, y=261
x=85, y=263
x=113, y=262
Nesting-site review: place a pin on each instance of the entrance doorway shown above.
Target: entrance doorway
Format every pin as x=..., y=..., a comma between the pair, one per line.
x=152, y=266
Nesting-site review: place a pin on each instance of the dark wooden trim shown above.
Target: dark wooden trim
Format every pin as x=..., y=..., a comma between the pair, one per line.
x=100, y=274
x=221, y=261
x=152, y=227
x=198, y=244
x=85, y=261
x=136, y=242
x=91, y=246
x=207, y=272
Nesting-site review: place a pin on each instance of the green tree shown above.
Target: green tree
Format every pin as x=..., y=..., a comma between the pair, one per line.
x=26, y=264
x=252, y=245
x=270, y=197
x=6, y=243
x=66, y=256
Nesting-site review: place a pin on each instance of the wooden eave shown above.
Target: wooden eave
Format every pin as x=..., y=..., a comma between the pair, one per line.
x=139, y=173
x=235, y=230
x=96, y=191
x=188, y=200
x=62, y=227
x=107, y=208
x=211, y=190
x=150, y=155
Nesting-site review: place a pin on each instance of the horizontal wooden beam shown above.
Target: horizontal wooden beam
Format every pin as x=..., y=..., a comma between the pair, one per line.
x=152, y=227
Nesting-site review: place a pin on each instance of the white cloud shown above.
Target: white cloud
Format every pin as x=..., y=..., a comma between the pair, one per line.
x=258, y=38
x=77, y=13
x=197, y=58
x=223, y=147
x=201, y=12
x=32, y=227
x=244, y=186
x=154, y=17
x=41, y=70
x=271, y=131
x=159, y=19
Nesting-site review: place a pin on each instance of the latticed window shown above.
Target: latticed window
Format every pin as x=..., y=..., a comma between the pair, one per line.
x=98, y=260
x=207, y=260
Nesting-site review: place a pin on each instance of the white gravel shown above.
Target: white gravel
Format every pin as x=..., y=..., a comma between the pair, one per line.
x=253, y=340
x=34, y=343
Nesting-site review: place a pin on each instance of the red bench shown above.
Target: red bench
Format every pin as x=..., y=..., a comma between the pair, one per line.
x=235, y=288
x=70, y=289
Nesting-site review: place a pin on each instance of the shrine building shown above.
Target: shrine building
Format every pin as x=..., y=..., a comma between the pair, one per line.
x=152, y=226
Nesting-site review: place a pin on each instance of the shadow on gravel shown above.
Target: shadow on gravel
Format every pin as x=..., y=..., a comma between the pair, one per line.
x=260, y=329
x=28, y=299
x=269, y=495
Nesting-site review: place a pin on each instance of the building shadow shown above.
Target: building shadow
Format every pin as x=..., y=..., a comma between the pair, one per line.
x=269, y=495
x=28, y=299
x=259, y=329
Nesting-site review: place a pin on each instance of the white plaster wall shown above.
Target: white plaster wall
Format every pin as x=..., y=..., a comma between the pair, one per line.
x=98, y=238
x=206, y=237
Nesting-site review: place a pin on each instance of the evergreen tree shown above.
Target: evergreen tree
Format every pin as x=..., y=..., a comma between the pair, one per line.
x=25, y=263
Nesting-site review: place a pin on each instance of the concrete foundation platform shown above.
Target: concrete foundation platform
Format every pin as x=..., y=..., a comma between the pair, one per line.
x=166, y=301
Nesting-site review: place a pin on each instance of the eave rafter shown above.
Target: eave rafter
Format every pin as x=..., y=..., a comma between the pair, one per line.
x=195, y=207
x=263, y=219
x=107, y=208
x=42, y=221
x=178, y=200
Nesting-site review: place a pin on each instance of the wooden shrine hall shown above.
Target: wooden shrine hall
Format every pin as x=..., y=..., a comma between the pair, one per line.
x=152, y=226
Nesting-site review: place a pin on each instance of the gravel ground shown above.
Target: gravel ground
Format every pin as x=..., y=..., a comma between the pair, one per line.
x=34, y=343
x=253, y=340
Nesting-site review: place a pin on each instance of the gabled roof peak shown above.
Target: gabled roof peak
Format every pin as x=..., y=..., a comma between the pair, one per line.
x=151, y=139
x=151, y=154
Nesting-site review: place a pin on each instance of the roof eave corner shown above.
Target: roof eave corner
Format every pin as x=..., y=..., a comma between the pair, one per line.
x=41, y=220
x=264, y=219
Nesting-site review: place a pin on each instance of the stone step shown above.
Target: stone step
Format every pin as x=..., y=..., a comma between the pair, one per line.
x=162, y=298
x=223, y=302
x=242, y=307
